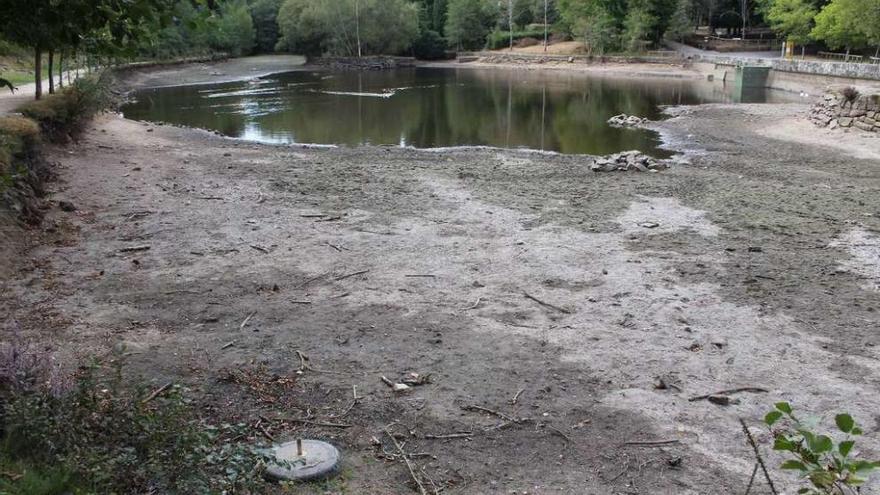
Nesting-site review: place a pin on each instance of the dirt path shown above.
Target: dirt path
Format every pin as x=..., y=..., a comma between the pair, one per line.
x=521, y=283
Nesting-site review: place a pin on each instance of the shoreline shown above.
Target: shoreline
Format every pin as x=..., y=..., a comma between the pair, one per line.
x=416, y=261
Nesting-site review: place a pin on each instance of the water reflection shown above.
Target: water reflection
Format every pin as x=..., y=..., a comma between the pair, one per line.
x=429, y=107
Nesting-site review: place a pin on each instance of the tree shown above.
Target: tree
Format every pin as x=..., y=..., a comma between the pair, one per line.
x=523, y=13
x=637, y=24
x=264, y=14
x=791, y=18
x=849, y=24
x=348, y=27
x=468, y=22
x=681, y=23
x=598, y=22
x=234, y=28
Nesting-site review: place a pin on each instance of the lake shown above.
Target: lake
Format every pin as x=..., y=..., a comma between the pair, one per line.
x=434, y=107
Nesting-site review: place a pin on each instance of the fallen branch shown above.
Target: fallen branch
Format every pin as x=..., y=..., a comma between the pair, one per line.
x=134, y=249
x=463, y=434
x=474, y=407
x=758, y=456
x=412, y=473
x=516, y=396
x=419, y=275
x=260, y=249
x=307, y=282
x=475, y=305
x=559, y=432
x=343, y=277
x=544, y=303
x=318, y=423
x=655, y=443
x=228, y=344
x=246, y=320
x=157, y=392
x=754, y=390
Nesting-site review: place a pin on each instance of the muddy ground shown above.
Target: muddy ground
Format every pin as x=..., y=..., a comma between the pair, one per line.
x=521, y=283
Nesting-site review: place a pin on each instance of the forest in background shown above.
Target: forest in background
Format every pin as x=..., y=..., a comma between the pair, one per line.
x=114, y=30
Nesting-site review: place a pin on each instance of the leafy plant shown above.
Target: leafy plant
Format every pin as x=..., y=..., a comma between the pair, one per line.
x=94, y=435
x=832, y=468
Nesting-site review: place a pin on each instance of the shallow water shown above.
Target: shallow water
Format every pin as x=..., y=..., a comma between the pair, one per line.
x=434, y=107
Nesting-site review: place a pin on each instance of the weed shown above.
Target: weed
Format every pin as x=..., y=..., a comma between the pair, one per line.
x=94, y=435
x=831, y=467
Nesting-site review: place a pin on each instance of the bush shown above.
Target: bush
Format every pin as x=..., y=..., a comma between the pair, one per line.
x=501, y=39
x=429, y=46
x=63, y=114
x=85, y=434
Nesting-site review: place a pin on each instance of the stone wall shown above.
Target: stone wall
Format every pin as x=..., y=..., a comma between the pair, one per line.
x=842, y=108
x=379, y=62
x=500, y=57
x=827, y=68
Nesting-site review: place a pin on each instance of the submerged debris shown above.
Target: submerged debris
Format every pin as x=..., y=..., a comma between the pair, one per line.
x=628, y=160
x=624, y=120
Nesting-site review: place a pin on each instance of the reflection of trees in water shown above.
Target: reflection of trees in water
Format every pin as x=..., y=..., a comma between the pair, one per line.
x=541, y=110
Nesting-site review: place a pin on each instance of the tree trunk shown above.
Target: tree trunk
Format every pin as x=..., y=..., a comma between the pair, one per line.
x=51, y=71
x=60, y=70
x=38, y=72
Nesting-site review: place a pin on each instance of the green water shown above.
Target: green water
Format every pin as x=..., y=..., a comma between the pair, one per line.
x=431, y=108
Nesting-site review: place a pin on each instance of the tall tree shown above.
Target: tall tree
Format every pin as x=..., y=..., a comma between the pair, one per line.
x=265, y=14
x=468, y=22
x=791, y=18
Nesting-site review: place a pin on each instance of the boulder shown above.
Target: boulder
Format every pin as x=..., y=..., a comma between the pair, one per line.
x=634, y=161
x=624, y=120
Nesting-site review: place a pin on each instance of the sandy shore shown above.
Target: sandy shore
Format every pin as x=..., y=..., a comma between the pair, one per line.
x=522, y=283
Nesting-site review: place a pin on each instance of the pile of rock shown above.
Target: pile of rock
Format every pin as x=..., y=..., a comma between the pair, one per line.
x=848, y=108
x=624, y=120
x=628, y=160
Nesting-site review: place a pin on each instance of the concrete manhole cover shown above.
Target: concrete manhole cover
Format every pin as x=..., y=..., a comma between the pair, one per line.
x=303, y=460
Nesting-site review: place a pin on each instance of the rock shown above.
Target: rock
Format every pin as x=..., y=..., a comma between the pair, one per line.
x=624, y=120
x=401, y=388
x=66, y=206
x=649, y=225
x=845, y=121
x=863, y=126
x=833, y=124
x=628, y=160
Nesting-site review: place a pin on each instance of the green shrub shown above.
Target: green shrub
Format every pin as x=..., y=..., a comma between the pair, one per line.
x=91, y=435
x=429, y=46
x=63, y=114
x=501, y=39
x=831, y=468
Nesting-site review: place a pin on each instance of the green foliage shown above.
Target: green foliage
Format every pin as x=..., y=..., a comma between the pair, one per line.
x=500, y=39
x=598, y=23
x=429, y=46
x=264, y=14
x=791, y=18
x=62, y=115
x=844, y=24
x=468, y=22
x=315, y=27
x=234, y=28
x=95, y=436
x=637, y=25
x=681, y=24
x=829, y=467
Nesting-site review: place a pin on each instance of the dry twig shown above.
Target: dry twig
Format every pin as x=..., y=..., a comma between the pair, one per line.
x=544, y=303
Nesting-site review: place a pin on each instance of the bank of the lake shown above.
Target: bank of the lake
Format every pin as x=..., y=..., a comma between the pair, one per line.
x=522, y=283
